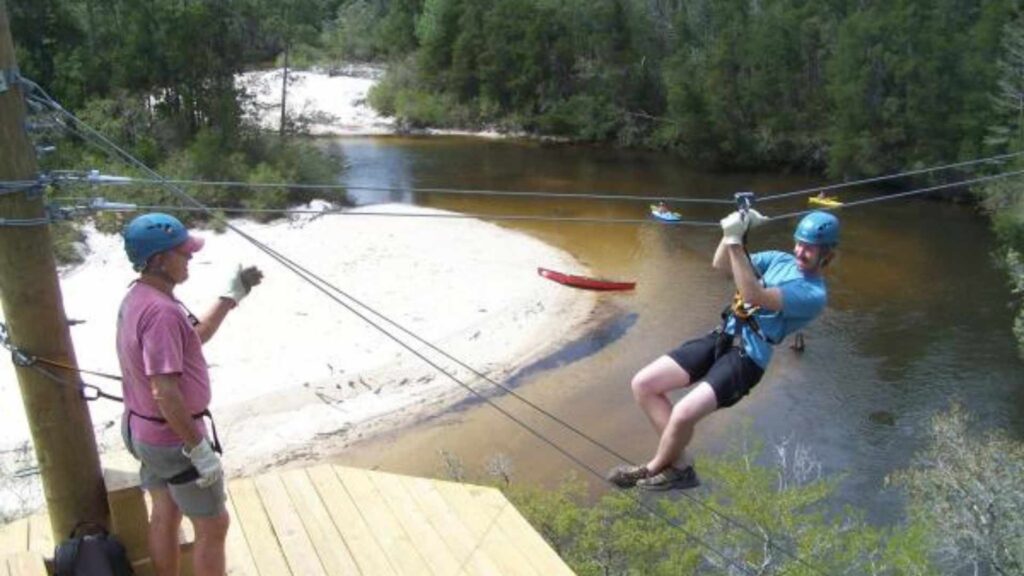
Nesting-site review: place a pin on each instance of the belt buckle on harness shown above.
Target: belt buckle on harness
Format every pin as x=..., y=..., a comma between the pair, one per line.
x=741, y=309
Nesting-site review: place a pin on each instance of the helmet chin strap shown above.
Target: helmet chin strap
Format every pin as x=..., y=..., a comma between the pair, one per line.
x=823, y=259
x=160, y=273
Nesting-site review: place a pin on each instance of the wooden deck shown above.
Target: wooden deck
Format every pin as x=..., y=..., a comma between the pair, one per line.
x=331, y=520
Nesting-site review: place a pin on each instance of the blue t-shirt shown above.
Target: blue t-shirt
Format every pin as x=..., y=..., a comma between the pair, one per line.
x=803, y=298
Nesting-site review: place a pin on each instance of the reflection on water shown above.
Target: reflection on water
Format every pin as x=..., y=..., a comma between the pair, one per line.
x=588, y=344
x=917, y=315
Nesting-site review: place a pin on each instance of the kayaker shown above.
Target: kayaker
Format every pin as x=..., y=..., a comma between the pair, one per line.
x=167, y=392
x=777, y=294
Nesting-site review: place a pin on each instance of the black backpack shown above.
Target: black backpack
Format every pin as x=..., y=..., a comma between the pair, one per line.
x=98, y=553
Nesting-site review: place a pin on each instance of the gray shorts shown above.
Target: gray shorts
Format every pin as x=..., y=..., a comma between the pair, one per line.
x=162, y=462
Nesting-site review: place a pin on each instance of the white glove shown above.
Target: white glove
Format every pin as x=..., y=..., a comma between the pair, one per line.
x=734, y=226
x=241, y=283
x=206, y=462
x=756, y=218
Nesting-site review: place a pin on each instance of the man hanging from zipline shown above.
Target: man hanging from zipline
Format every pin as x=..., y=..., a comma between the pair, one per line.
x=777, y=293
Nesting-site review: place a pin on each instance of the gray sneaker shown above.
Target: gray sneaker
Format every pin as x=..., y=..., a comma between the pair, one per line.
x=670, y=478
x=626, y=476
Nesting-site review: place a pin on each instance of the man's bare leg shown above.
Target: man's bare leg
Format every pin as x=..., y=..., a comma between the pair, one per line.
x=651, y=386
x=164, y=522
x=678, y=431
x=208, y=555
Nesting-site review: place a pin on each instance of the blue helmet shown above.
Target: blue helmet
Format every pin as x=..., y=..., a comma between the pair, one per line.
x=818, y=228
x=151, y=234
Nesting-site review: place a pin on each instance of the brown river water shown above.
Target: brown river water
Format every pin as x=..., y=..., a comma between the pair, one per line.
x=918, y=317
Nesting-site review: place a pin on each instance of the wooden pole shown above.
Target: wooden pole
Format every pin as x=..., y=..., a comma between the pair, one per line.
x=34, y=311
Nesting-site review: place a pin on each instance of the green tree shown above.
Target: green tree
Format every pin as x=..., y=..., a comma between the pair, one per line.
x=397, y=31
x=909, y=82
x=966, y=487
x=353, y=34
x=782, y=508
x=436, y=31
x=37, y=25
x=1004, y=200
x=291, y=23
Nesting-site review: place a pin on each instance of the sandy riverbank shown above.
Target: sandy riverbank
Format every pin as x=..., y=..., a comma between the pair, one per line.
x=296, y=376
x=333, y=104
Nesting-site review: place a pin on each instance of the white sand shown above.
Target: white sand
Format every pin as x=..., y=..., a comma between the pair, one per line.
x=295, y=376
x=333, y=105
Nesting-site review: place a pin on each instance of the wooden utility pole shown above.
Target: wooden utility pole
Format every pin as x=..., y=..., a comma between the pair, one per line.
x=34, y=311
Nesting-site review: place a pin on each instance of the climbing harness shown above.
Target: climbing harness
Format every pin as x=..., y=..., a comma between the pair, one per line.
x=189, y=474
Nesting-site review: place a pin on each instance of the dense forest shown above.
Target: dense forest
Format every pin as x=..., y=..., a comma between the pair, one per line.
x=844, y=86
x=159, y=79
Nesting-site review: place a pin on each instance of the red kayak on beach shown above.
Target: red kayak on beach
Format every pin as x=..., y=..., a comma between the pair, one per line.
x=584, y=282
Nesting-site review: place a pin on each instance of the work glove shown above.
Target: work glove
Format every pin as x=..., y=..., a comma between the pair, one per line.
x=206, y=462
x=756, y=218
x=241, y=283
x=734, y=226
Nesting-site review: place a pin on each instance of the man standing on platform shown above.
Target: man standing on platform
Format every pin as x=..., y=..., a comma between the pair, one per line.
x=167, y=393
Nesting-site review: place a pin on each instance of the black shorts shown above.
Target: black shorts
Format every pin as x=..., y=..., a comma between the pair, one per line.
x=727, y=368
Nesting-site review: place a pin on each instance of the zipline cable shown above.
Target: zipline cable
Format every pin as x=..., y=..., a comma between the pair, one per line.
x=570, y=219
x=947, y=185
x=830, y=187
x=440, y=215
x=447, y=191
x=68, y=177
x=322, y=286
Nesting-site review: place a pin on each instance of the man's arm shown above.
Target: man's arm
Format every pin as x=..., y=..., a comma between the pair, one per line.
x=212, y=319
x=750, y=289
x=721, y=259
x=172, y=407
x=239, y=286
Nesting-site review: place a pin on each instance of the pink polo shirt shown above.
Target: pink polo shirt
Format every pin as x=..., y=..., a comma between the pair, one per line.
x=155, y=337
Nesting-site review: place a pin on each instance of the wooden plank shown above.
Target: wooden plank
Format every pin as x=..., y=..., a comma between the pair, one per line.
x=541, y=555
x=458, y=537
x=40, y=534
x=427, y=540
x=366, y=551
x=327, y=540
x=239, y=557
x=383, y=524
x=25, y=563
x=14, y=537
x=291, y=534
x=494, y=502
x=481, y=518
x=259, y=533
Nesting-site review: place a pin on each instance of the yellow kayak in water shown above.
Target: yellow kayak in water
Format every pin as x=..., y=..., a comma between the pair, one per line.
x=827, y=202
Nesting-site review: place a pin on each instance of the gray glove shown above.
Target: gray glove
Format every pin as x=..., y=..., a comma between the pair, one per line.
x=756, y=218
x=206, y=462
x=241, y=283
x=734, y=226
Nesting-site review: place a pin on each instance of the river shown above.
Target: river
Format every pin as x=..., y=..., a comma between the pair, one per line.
x=918, y=317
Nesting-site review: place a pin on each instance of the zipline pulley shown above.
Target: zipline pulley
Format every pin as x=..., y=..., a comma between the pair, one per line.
x=744, y=201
